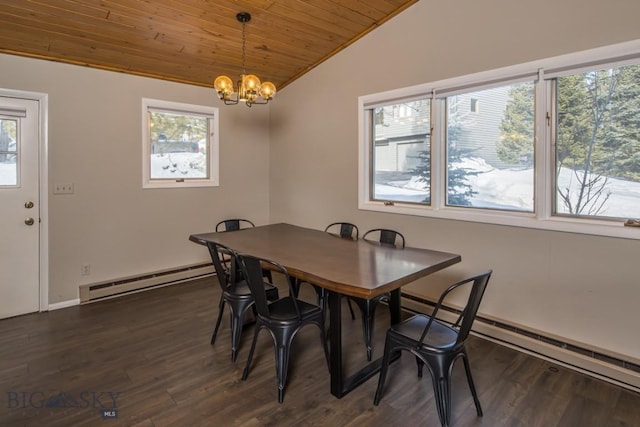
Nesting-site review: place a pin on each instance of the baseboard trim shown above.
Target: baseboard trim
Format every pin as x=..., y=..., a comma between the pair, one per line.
x=132, y=284
x=592, y=362
x=64, y=304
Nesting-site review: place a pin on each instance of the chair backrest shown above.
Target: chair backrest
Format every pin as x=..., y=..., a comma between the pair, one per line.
x=233, y=224
x=225, y=263
x=252, y=269
x=468, y=314
x=385, y=237
x=346, y=229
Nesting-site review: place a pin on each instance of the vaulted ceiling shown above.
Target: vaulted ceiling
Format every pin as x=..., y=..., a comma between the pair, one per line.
x=190, y=41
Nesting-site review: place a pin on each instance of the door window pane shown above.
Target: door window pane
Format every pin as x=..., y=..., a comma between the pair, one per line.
x=490, y=149
x=401, y=152
x=8, y=152
x=597, y=135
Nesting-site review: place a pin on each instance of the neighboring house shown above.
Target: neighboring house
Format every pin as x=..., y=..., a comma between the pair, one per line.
x=402, y=130
x=479, y=115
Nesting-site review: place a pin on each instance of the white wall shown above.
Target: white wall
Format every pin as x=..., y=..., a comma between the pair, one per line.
x=579, y=288
x=95, y=142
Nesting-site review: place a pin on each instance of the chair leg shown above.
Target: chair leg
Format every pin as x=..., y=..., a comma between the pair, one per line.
x=353, y=315
x=383, y=371
x=282, y=338
x=321, y=297
x=220, y=311
x=323, y=337
x=237, y=323
x=420, y=364
x=368, y=309
x=442, y=389
x=472, y=387
x=245, y=373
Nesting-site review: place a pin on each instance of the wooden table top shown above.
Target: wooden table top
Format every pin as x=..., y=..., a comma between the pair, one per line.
x=356, y=268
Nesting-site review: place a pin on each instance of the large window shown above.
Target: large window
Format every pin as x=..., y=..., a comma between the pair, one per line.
x=553, y=144
x=180, y=145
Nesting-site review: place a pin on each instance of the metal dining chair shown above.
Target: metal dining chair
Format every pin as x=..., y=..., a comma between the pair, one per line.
x=385, y=237
x=233, y=224
x=238, y=224
x=235, y=293
x=283, y=318
x=438, y=345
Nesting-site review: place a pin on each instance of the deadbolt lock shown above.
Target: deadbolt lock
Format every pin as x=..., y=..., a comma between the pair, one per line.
x=28, y=205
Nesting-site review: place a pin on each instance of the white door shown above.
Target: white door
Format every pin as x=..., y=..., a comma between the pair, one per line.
x=19, y=207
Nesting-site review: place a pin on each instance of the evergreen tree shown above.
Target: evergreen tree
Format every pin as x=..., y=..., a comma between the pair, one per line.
x=423, y=171
x=622, y=144
x=459, y=191
x=516, y=142
x=582, y=128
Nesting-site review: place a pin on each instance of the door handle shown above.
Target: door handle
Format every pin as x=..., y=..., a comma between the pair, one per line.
x=29, y=221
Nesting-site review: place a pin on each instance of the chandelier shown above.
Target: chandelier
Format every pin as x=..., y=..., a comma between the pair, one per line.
x=249, y=89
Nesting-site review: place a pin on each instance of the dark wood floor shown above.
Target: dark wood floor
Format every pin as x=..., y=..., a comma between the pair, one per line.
x=150, y=352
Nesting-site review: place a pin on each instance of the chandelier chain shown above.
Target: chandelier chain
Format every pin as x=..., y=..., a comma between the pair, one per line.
x=244, y=43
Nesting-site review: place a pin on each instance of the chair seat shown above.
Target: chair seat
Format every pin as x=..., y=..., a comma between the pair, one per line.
x=440, y=336
x=283, y=310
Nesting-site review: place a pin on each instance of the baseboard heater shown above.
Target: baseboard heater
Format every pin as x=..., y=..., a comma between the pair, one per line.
x=126, y=285
x=622, y=372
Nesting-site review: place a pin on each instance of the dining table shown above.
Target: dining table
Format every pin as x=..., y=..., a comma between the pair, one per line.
x=357, y=268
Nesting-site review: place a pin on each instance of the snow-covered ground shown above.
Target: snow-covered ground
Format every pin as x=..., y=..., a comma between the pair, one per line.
x=513, y=190
x=178, y=165
x=496, y=188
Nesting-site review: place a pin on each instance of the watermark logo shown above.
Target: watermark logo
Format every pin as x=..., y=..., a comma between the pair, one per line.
x=106, y=402
x=109, y=413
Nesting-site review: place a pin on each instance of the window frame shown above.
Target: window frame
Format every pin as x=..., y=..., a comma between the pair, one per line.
x=371, y=120
x=211, y=113
x=544, y=190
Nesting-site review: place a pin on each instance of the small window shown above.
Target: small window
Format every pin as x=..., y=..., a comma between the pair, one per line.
x=473, y=105
x=180, y=145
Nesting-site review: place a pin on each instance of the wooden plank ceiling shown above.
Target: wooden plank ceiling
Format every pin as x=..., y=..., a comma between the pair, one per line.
x=190, y=41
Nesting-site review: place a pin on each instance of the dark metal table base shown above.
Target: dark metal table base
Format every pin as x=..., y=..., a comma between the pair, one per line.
x=340, y=385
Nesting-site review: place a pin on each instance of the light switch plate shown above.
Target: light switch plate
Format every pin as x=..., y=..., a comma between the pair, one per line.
x=63, y=188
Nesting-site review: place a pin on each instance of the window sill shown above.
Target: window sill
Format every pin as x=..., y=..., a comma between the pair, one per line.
x=179, y=184
x=511, y=219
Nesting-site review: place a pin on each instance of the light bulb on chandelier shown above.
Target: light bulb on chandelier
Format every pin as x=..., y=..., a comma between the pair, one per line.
x=249, y=88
